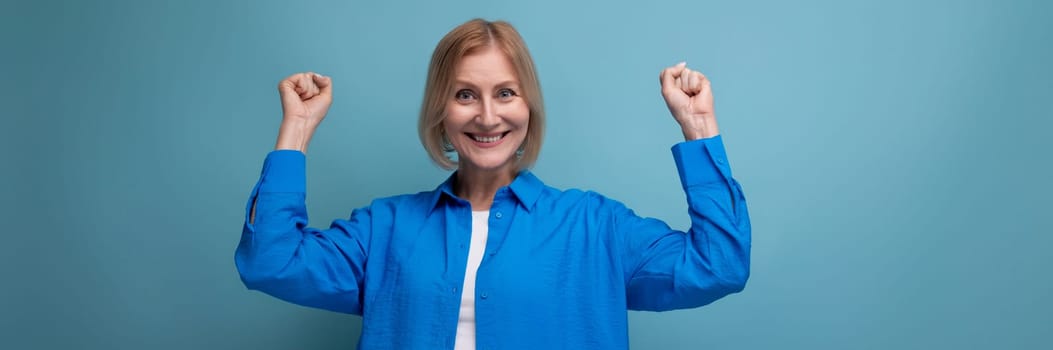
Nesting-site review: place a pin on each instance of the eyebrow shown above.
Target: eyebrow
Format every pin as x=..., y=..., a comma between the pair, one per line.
x=506, y=83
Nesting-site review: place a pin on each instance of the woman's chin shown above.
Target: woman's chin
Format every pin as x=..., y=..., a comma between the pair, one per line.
x=488, y=163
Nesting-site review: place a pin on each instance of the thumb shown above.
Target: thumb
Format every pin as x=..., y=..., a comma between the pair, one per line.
x=324, y=83
x=325, y=86
x=669, y=75
x=288, y=94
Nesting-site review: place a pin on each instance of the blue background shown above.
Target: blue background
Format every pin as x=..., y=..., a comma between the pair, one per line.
x=894, y=155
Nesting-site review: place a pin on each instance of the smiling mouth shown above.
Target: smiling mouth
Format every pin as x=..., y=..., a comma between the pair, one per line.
x=488, y=138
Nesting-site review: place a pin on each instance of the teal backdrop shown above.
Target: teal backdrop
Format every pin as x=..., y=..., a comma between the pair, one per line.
x=895, y=157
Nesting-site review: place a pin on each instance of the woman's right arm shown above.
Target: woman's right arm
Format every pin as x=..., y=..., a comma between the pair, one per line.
x=278, y=254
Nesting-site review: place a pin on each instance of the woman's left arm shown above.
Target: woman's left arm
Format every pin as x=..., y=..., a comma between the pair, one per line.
x=667, y=269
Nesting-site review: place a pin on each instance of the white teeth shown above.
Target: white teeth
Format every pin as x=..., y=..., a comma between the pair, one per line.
x=487, y=139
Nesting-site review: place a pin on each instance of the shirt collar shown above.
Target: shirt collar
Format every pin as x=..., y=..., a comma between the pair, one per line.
x=526, y=188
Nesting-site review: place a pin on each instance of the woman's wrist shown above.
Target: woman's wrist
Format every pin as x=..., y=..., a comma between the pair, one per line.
x=294, y=135
x=702, y=128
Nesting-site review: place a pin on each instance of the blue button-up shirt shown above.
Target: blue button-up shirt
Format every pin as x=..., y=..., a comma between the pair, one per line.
x=560, y=269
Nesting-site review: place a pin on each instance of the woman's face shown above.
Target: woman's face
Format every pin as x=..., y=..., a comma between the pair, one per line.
x=486, y=118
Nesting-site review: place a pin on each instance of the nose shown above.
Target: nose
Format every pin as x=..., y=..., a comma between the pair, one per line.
x=488, y=117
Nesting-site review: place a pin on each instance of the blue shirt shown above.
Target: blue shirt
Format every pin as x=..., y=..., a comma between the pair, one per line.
x=560, y=268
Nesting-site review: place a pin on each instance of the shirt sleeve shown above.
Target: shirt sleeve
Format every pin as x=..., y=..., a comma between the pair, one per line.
x=281, y=256
x=669, y=269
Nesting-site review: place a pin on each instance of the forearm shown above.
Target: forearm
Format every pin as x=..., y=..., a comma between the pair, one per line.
x=720, y=224
x=271, y=239
x=295, y=135
x=276, y=215
x=700, y=128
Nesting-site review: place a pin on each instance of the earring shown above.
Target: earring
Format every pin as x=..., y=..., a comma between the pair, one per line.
x=519, y=153
x=446, y=145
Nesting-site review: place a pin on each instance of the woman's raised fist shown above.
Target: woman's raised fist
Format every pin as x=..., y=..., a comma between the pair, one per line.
x=306, y=97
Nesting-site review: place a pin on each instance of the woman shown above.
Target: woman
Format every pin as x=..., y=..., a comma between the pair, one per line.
x=494, y=258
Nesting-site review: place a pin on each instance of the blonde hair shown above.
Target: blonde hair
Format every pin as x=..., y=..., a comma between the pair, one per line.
x=467, y=38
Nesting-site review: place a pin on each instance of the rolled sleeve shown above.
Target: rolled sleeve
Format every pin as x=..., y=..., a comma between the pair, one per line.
x=284, y=171
x=702, y=162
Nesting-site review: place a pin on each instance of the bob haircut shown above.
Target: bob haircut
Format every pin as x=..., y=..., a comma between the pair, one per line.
x=468, y=38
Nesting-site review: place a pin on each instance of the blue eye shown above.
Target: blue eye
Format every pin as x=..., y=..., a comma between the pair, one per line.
x=464, y=95
x=505, y=94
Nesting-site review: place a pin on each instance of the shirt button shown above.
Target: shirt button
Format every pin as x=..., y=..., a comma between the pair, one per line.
x=720, y=160
x=498, y=215
x=483, y=295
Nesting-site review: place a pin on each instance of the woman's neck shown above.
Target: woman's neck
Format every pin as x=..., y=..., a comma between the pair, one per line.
x=479, y=186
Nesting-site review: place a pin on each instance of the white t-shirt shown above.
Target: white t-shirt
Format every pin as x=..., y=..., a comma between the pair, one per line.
x=466, y=322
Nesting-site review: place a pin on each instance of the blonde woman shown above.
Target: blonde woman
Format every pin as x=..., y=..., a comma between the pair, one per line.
x=494, y=258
